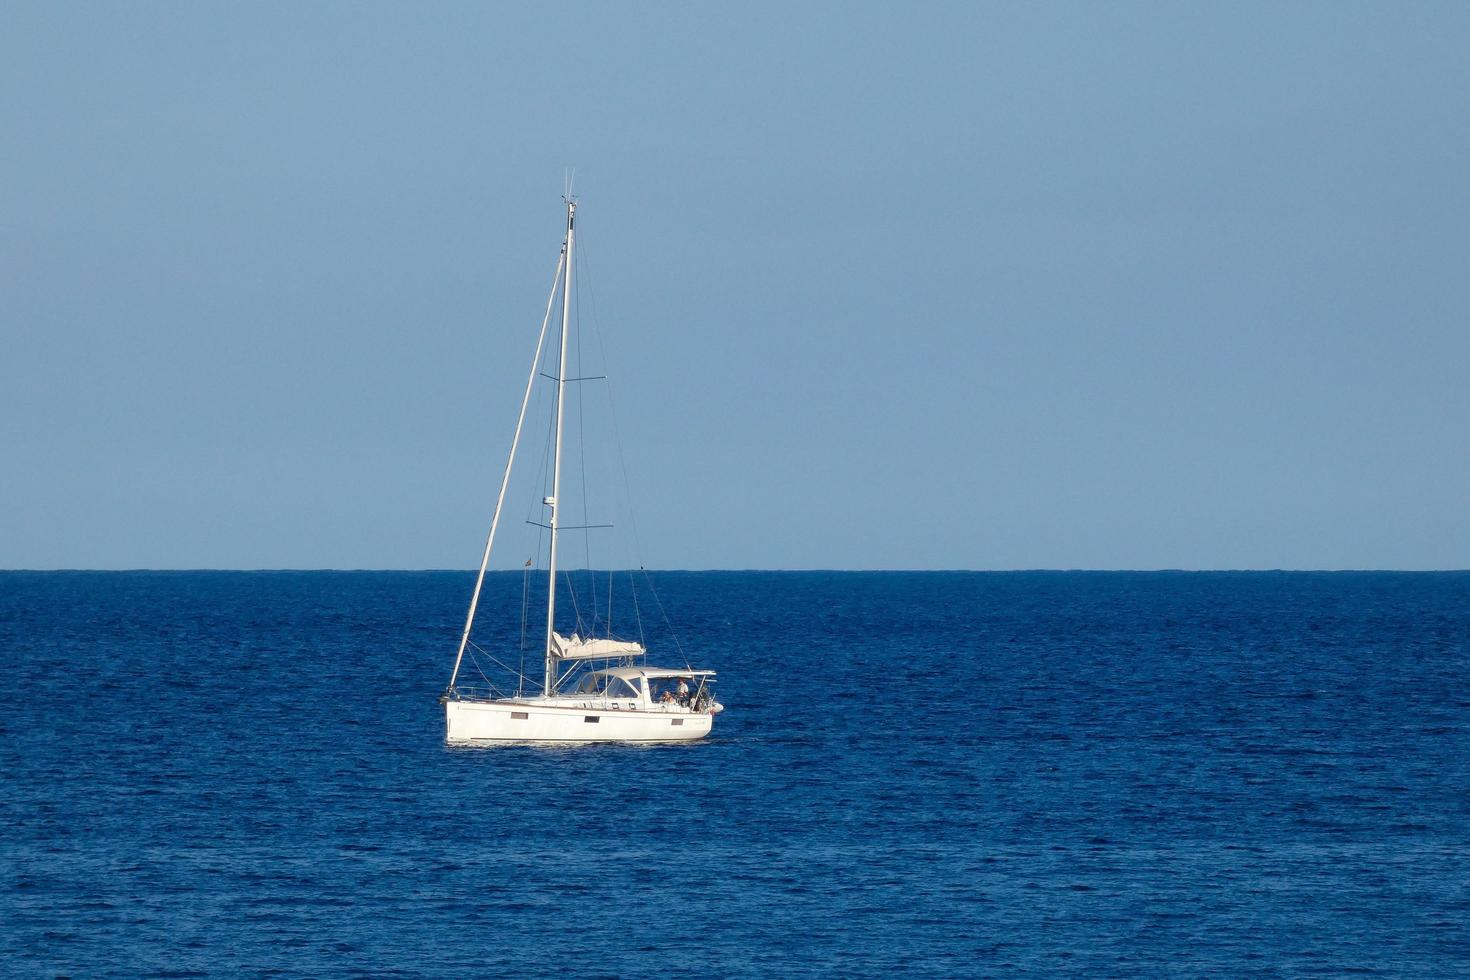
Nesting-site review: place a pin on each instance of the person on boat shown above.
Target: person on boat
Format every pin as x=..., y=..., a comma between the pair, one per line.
x=683, y=691
x=668, y=697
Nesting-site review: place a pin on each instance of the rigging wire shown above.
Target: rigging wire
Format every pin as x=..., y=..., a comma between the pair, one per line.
x=546, y=448
x=664, y=613
x=470, y=648
x=491, y=657
x=580, y=626
x=525, y=604
x=545, y=464
x=627, y=490
x=637, y=613
x=582, y=451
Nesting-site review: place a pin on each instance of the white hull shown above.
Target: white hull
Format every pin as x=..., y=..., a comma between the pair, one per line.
x=538, y=720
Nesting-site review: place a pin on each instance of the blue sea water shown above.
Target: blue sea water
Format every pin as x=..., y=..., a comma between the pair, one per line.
x=939, y=774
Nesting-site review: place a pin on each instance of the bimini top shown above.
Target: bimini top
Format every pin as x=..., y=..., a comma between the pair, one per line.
x=652, y=673
x=577, y=648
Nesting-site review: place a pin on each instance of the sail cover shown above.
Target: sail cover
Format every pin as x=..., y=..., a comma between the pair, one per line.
x=576, y=648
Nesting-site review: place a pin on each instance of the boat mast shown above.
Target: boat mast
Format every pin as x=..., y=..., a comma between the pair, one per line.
x=554, y=500
x=469, y=620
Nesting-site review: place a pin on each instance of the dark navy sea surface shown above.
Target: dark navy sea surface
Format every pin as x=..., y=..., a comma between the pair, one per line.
x=933, y=774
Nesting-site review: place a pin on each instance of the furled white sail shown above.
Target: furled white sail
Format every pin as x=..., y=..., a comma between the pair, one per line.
x=576, y=648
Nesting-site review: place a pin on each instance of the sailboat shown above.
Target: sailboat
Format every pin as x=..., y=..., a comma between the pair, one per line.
x=593, y=688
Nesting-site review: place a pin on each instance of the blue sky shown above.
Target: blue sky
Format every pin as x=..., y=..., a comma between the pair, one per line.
x=888, y=286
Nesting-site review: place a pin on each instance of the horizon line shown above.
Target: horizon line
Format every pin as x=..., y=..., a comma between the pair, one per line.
x=838, y=571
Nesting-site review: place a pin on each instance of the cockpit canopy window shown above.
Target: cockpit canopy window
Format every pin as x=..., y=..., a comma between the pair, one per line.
x=613, y=687
x=619, y=688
